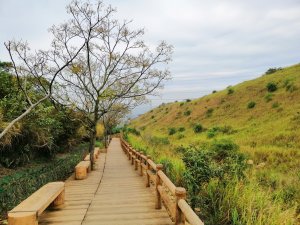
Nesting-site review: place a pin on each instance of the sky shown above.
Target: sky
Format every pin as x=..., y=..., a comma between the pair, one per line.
x=216, y=43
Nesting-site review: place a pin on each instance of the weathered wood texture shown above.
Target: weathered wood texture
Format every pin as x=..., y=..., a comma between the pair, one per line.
x=27, y=212
x=119, y=198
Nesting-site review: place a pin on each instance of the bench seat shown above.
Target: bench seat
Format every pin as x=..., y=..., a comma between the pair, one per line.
x=27, y=212
x=81, y=170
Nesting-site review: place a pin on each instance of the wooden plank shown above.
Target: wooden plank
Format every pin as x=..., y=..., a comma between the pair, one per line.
x=189, y=214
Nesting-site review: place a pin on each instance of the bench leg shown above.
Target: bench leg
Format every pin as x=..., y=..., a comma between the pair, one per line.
x=60, y=199
x=22, y=218
x=80, y=173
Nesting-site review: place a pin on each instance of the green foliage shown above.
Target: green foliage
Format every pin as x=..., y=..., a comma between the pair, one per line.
x=230, y=91
x=275, y=105
x=18, y=186
x=214, y=91
x=180, y=136
x=212, y=132
x=198, y=128
x=188, y=100
x=181, y=104
x=290, y=85
x=251, y=105
x=268, y=97
x=187, y=112
x=273, y=70
x=271, y=87
x=181, y=129
x=219, y=160
x=171, y=130
x=133, y=131
x=159, y=140
x=209, y=112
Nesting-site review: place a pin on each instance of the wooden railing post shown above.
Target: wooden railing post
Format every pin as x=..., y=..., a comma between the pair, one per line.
x=147, y=175
x=179, y=216
x=136, y=162
x=141, y=166
x=157, y=183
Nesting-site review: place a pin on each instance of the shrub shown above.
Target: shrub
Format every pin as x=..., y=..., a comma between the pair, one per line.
x=230, y=91
x=211, y=133
x=187, y=112
x=188, y=100
x=268, y=97
x=219, y=160
x=133, y=131
x=275, y=105
x=152, y=117
x=181, y=104
x=180, y=136
x=251, y=105
x=172, y=131
x=271, y=87
x=198, y=128
x=18, y=186
x=214, y=91
x=181, y=129
x=209, y=112
x=159, y=140
x=290, y=86
x=273, y=70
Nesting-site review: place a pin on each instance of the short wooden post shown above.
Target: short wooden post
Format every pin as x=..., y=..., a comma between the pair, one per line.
x=180, y=193
x=141, y=165
x=129, y=155
x=147, y=175
x=60, y=199
x=137, y=159
x=157, y=183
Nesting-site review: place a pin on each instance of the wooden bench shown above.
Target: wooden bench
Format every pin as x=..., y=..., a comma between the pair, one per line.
x=27, y=212
x=82, y=169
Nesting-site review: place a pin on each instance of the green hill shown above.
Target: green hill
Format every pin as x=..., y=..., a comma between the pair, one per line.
x=262, y=117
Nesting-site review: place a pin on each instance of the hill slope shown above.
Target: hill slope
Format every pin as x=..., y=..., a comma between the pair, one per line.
x=262, y=116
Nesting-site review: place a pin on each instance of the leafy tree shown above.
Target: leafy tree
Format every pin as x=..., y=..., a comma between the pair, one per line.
x=115, y=67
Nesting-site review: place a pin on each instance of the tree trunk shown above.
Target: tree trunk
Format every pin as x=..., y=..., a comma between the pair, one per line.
x=92, y=146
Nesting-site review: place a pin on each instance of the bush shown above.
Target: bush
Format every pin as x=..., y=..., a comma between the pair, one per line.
x=273, y=70
x=187, y=112
x=251, y=105
x=275, y=105
x=271, y=87
x=181, y=129
x=171, y=131
x=159, y=140
x=198, y=128
x=230, y=91
x=133, y=131
x=268, y=97
x=18, y=186
x=209, y=112
x=188, y=100
x=214, y=91
x=180, y=136
x=181, y=104
x=220, y=160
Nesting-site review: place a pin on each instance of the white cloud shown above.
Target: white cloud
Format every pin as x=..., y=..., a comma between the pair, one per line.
x=217, y=43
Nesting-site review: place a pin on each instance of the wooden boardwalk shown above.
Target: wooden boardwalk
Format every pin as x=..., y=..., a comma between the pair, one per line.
x=113, y=194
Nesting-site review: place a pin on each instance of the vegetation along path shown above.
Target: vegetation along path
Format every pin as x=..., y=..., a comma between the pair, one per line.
x=112, y=194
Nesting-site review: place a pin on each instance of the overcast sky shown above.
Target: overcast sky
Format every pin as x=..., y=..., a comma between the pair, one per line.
x=216, y=43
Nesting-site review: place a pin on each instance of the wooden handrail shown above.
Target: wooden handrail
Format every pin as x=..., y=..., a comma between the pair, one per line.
x=189, y=214
x=173, y=197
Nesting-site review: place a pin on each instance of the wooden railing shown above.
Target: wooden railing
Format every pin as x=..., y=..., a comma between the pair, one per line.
x=174, y=198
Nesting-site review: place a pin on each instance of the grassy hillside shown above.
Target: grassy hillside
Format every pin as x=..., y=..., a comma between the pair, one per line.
x=262, y=116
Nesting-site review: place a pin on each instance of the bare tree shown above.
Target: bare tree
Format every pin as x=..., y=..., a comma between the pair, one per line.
x=40, y=67
x=115, y=66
